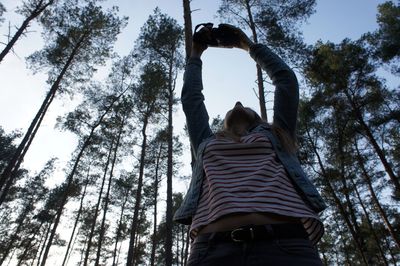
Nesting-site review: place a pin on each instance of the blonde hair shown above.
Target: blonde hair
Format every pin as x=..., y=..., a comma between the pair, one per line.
x=289, y=143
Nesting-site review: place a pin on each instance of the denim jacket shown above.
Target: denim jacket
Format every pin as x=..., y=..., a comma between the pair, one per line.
x=286, y=100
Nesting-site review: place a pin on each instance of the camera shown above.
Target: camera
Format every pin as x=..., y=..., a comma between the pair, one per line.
x=222, y=36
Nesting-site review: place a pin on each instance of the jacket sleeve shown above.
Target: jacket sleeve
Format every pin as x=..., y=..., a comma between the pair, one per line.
x=286, y=95
x=193, y=104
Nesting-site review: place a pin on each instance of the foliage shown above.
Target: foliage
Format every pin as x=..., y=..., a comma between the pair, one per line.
x=117, y=175
x=2, y=11
x=277, y=23
x=84, y=34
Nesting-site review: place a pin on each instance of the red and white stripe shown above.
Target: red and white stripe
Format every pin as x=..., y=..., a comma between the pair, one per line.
x=245, y=177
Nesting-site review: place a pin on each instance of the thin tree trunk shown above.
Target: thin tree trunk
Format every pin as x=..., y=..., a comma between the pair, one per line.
x=107, y=197
x=10, y=171
x=183, y=241
x=370, y=136
x=169, y=214
x=375, y=199
x=35, y=234
x=48, y=231
x=376, y=238
x=134, y=226
x=187, y=16
x=337, y=199
x=118, y=233
x=346, y=189
x=27, y=247
x=72, y=174
x=260, y=79
x=25, y=24
x=78, y=215
x=154, y=243
x=64, y=198
x=96, y=212
x=12, y=242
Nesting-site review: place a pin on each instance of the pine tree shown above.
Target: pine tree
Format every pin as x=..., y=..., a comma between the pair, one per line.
x=271, y=22
x=161, y=39
x=78, y=39
x=148, y=100
x=31, y=10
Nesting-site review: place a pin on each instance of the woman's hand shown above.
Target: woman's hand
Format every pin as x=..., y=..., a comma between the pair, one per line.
x=242, y=40
x=199, y=48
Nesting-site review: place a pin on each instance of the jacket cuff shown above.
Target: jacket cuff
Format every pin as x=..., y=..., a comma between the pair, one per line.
x=255, y=48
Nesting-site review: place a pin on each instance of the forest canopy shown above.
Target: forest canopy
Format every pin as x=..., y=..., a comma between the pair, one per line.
x=111, y=201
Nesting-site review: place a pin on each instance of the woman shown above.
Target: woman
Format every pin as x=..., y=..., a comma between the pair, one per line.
x=249, y=201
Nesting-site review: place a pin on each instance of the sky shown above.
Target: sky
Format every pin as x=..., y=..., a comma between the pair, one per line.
x=228, y=74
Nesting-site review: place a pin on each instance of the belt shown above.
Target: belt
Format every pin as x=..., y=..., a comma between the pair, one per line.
x=255, y=232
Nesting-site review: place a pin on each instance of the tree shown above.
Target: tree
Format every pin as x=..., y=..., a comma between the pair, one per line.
x=29, y=195
x=187, y=16
x=30, y=9
x=123, y=191
x=95, y=121
x=156, y=161
x=180, y=237
x=84, y=144
x=79, y=38
x=2, y=10
x=274, y=23
x=347, y=74
x=349, y=110
x=148, y=100
x=161, y=39
x=385, y=38
x=8, y=149
x=78, y=216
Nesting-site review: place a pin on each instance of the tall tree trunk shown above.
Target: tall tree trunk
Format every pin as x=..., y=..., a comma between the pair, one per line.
x=376, y=238
x=260, y=79
x=370, y=136
x=154, y=242
x=96, y=212
x=118, y=233
x=28, y=246
x=12, y=242
x=35, y=234
x=25, y=24
x=63, y=201
x=346, y=190
x=65, y=197
x=107, y=197
x=135, y=220
x=336, y=198
x=78, y=215
x=187, y=16
x=169, y=214
x=47, y=234
x=375, y=199
x=10, y=171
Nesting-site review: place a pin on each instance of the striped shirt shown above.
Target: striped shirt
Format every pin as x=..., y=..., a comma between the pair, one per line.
x=247, y=177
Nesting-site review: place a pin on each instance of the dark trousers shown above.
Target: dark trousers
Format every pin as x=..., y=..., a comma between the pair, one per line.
x=279, y=252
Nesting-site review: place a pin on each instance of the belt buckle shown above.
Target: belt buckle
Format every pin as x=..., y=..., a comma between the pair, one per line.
x=241, y=229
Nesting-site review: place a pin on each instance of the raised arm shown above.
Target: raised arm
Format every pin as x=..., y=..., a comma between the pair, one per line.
x=193, y=99
x=286, y=96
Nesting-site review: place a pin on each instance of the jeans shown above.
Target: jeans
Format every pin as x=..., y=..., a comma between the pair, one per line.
x=279, y=252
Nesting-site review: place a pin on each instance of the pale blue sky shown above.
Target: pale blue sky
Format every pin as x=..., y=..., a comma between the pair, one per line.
x=229, y=74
